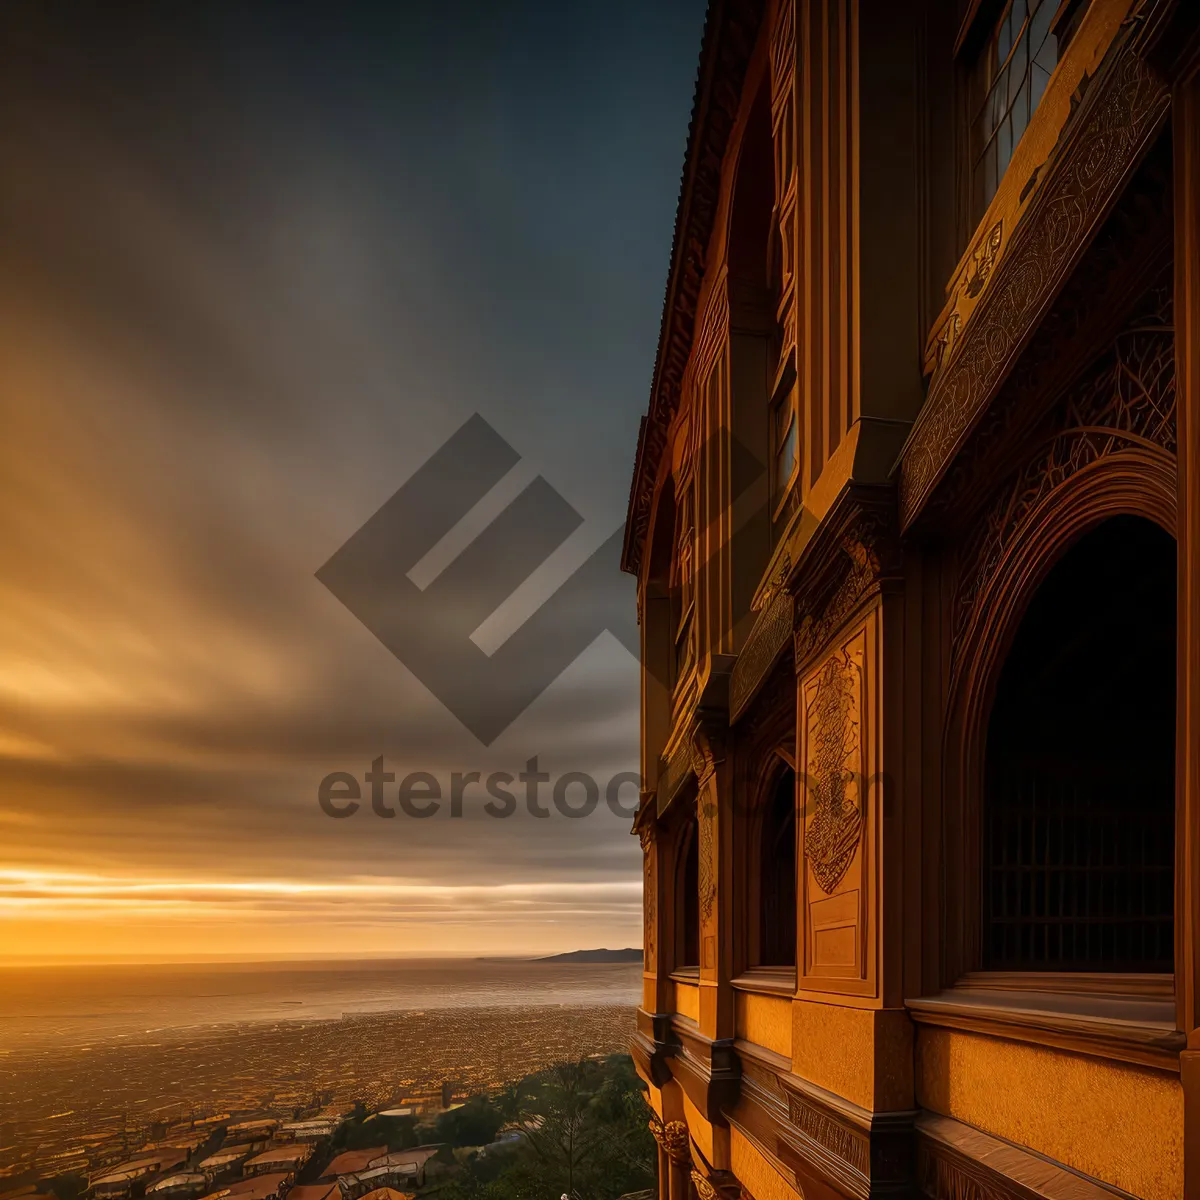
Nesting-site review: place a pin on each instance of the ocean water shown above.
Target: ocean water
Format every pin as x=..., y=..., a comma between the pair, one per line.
x=63, y=1007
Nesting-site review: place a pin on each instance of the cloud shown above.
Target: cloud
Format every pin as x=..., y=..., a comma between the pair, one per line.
x=262, y=276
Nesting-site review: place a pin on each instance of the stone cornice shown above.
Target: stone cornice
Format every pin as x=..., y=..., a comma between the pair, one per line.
x=730, y=30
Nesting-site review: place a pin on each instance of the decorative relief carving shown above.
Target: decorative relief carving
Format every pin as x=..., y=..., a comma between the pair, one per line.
x=707, y=875
x=947, y=335
x=775, y=584
x=672, y=1136
x=979, y=270
x=1131, y=252
x=649, y=901
x=646, y=837
x=847, y=1144
x=940, y=1178
x=863, y=570
x=1126, y=402
x=760, y=1077
x=768, y=639
x=672, y=775
x=1131, y=103
x=722, y=1185
x=963, y=292
x=708, y=749
x=833, y=702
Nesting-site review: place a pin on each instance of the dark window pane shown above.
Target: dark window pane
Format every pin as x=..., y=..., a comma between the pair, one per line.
x=1004, y=145
x=1079, y=798
x=1011, y=74
x=777, y=875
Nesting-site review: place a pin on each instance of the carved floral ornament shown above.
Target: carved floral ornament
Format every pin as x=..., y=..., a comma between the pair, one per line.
x=833, y=698
x=672, y=1138
x=708, y=750
x=722, y=1186
x=864, y=570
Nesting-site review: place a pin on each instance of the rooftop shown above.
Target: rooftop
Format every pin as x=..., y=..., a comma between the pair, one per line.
x=261, y=1187
x=353, y=1161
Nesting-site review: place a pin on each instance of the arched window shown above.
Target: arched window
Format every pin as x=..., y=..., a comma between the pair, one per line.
x=1079, y=790
x=777, y=877
x=687, y=899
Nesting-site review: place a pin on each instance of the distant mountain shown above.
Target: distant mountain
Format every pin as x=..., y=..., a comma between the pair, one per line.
x=628, y=955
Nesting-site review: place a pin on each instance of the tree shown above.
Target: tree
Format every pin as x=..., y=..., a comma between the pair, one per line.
x=65, y=1187
x=584, y=1133
x=474, y=1123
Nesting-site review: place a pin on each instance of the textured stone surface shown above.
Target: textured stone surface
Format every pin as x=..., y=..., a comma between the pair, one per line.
x=1121, y=1124
x=863, y=1055
x=766, y=1021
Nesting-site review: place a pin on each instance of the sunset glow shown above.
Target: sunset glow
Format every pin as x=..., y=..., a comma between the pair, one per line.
x=224, y=343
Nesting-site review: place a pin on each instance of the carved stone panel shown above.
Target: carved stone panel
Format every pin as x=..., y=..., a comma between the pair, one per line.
x=707, y=872
x=649, y=902
x=834, y=753
x=768, y=639
x=833, y=703
x=839, y=1138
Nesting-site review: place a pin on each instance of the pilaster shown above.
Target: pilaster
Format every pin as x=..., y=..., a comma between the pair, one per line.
x=1186, y=132
x=710, y=762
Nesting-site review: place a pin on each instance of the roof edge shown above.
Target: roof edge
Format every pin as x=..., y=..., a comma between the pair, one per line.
x=730, y=31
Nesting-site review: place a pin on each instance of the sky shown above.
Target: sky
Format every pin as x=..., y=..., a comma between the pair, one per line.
x=258, y=264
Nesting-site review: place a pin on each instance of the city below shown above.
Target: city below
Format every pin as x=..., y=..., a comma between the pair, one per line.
x=146, y=1109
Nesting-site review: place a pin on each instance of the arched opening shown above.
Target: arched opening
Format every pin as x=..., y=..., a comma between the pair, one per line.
x=777, y=874
x=1079, y=776
x=687, y=899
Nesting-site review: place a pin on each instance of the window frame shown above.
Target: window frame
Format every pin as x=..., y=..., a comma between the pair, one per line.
x=750, y=974
x=685, y=899
x=982, y=79
x=766, y=822
x=785, y=395
x=1105, y=1015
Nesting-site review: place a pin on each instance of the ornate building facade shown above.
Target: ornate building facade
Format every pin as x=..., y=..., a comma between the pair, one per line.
x=915, y=523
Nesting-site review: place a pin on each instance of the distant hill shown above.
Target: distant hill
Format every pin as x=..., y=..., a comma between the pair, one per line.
x=628, y=955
